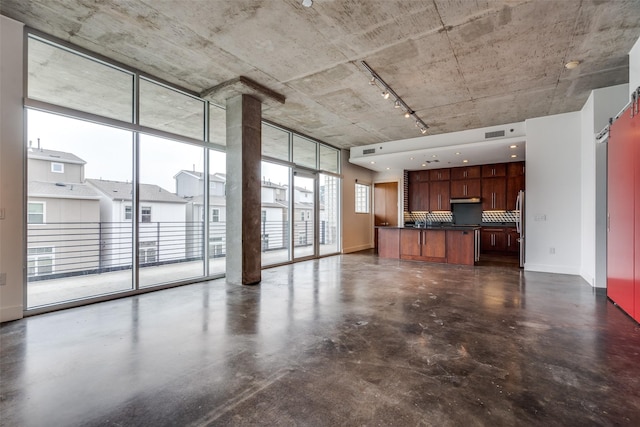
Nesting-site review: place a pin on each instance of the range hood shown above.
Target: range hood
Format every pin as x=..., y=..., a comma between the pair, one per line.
x=466, y=200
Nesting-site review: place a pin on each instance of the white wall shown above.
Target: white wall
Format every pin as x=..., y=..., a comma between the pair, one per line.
x=553, y=183
x=357, y=229
x=634, y=66
x=11, y=169
x=602, y=104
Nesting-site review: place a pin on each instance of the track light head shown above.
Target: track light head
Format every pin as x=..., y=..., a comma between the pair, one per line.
x=372, y=82
x=407, y=114
x=396, y=104
x=423, y=130
x=385, y=95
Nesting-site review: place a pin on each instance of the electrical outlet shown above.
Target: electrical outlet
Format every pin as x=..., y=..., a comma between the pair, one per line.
x=552, y=251
x=3, y=279
x=2, y=213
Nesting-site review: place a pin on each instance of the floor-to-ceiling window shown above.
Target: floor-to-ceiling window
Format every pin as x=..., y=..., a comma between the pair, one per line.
x=117, y=171
x=127, y=182
x=308, y=173
x=79, y=244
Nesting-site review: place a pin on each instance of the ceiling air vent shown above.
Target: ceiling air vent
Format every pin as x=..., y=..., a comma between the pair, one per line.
x=369, y=151
x=494, y=134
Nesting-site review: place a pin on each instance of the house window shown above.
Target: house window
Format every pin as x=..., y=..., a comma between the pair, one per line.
x=39, y=261
x=57, y=167
x=128, y=213
x=263, y=216
x=147, y=253
x=145, y=214
x=302, y=216
x=216, y=247
x=215, y=215
x=35, y=213
x=362, y=198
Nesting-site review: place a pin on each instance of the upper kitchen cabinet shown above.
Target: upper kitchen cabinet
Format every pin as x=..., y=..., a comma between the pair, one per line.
x=466, y=172
x=418, y=176
x=461, y=188
x=439, y=195
x=418, y=196
x=495, y=170
x=515, y=169
x=465, y=182
x=515, y=183
x=494, y=192
x=439, y=174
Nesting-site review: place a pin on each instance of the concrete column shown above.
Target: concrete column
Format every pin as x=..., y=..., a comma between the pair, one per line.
x=244, y=150
x=244, y=99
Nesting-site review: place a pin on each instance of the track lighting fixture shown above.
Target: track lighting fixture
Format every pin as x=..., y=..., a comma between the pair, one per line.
x=387, y=92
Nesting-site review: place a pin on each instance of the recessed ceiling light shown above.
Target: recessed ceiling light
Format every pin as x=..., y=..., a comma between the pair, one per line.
x=458, y=153
x=388, y=168
x=465, y=161
x=513, y=146
x=412, y=158
x=373, y=163
x=424, y=164
x=571, y=65
x=434, y=155
x=514, y=155
x=307, y=3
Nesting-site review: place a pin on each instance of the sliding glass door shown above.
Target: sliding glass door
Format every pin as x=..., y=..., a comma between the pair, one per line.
x=304, y=215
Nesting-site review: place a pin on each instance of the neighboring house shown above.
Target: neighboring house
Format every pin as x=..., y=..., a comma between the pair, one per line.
x=190, y=186
x=274, y=216
x=163, y=230
x=274, y=209
x=63, y=216
x=303, y=216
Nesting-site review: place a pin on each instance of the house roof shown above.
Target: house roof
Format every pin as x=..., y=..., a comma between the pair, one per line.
x=269, y=184
x=117, y=190
x=54, y=156
x=213, y=200
x=61, y=190
x=215, y=177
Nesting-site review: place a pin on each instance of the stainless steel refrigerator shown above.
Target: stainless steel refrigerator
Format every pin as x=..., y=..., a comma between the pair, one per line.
x=520, y=225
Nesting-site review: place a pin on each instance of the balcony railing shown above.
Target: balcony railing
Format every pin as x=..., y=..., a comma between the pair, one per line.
x=81, y=248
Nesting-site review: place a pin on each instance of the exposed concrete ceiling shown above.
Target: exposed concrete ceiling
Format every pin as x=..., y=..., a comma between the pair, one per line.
x=459, y=64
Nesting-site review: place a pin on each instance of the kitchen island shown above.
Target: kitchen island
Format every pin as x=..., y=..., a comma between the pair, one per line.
x=451, y=244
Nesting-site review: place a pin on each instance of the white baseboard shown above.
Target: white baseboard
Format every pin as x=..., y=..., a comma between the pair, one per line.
x=558, y=269
x=11, y=313
x=357, y=248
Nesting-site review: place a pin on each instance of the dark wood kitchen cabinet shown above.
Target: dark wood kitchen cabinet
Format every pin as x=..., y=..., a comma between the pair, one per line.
x=439, y=174
x=494, y=191
x=439, y=195
x=418, y=196
x=494, y=170
x=466, y=172
x=515, y=183
x=512, y=244
x=492, y=240
x=423, y=245
x=465, y=188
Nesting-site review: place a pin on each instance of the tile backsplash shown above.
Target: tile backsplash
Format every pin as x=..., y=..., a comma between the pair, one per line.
x=446, y=216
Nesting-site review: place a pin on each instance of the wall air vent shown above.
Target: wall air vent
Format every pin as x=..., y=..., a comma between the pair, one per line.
x=494, y=134
x=369, y=151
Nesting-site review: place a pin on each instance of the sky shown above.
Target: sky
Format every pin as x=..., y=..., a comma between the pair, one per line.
x=109, y=151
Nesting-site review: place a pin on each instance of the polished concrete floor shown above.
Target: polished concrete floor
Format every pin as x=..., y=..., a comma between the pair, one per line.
x=343, y=341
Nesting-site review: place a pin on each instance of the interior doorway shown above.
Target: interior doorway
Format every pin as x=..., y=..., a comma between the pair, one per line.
x=385, y=207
